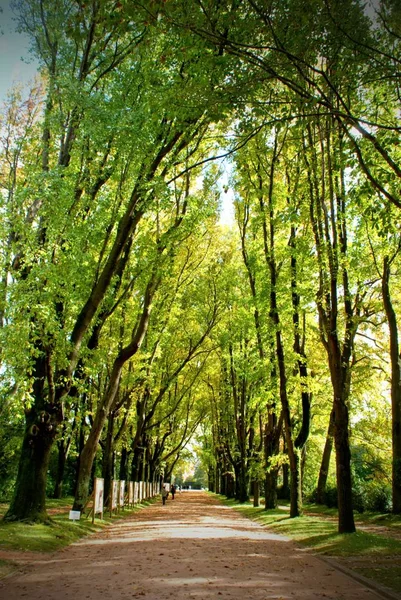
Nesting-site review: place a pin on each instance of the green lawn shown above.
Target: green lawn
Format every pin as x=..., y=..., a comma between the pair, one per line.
x=59, y=532
x=373, y=555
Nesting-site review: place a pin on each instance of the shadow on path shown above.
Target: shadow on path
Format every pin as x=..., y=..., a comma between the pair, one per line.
x=192, y=547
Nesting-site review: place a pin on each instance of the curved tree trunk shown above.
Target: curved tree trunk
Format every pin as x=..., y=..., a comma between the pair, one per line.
x=395, y=387
x=108, y=458
x=90, y=448
x=325, y=463
x=328, y=197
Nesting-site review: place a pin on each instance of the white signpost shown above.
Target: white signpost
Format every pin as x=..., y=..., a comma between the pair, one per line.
x=114, y=495
x=121, y=494
x=98, y=498
x=130, y=493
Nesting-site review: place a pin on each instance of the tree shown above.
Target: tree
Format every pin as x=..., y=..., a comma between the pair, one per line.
x=102, y=196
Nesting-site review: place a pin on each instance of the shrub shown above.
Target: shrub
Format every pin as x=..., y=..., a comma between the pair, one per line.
x=330, y=497
x=378, y=497
x=370, y=496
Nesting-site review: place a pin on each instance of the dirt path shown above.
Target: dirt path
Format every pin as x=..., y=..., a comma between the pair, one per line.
x=190, y=548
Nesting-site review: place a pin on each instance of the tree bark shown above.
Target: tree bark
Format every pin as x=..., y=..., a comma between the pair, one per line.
x=41, y=423
x=61, y=462
x=108, y=458
x=331, y=244
x=271, y=447
x=295, y=487
x=241, y=482
x=395, y=359
x=325, y=463
x=29, y=500
x=229, y=485
x=136, y=463
x=107, y=401
x=90, y=448
x=256, y=495
x=123, y=471
x=346, y=522
x=271, y=489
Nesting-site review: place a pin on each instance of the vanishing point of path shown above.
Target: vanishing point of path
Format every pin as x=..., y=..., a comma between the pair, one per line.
x=191, y=548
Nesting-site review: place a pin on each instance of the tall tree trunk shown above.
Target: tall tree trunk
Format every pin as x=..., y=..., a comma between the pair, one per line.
x=90, y=448
x=123, y=473
x=29, y=500
x=108, y=458
x=325, y=462
x=107, y=401
x=218, y=478
x=136, y=463
x=299, y=348
x=64, y=446
x=285, y=491
x=61, y=462
x=242, y=483
x=329, y=199
x=267, y=212
x=395, y=359
x=346, y=522
x=296, y=485
x=271, y=440
x=229, y=485
x=41, y=423
x=271, y=489
x=80, y=445
x=223, y=483
x=256, y=495
x=211, y=479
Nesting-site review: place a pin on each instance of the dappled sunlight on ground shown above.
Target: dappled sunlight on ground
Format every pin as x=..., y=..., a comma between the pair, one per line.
x=190, y=548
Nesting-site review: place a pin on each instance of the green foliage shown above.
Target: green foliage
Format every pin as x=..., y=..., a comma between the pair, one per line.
x=9, y=454
x=119, y=136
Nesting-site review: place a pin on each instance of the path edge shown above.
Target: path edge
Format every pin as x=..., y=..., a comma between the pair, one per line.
x=381, y=590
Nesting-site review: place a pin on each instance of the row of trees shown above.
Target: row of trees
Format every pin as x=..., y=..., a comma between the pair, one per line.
x=128, y=317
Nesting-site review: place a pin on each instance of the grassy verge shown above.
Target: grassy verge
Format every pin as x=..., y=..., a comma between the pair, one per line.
x=375, y=556
x=60, y=532
x=393, y=522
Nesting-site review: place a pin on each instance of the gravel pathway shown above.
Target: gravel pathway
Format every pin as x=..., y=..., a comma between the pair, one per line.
x=191, y=548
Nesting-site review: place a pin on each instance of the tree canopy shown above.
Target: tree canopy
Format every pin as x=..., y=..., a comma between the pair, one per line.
x=133, y=322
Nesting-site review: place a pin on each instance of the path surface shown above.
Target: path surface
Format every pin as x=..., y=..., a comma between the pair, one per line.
x=190, y=548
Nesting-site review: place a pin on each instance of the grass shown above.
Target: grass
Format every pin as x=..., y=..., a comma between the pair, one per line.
x=365, y=518
x=389, y=576
x=375, y=556
x=53, y=536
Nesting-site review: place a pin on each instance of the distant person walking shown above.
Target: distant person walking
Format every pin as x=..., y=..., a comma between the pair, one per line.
x=164, y=494
x=172, y=490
